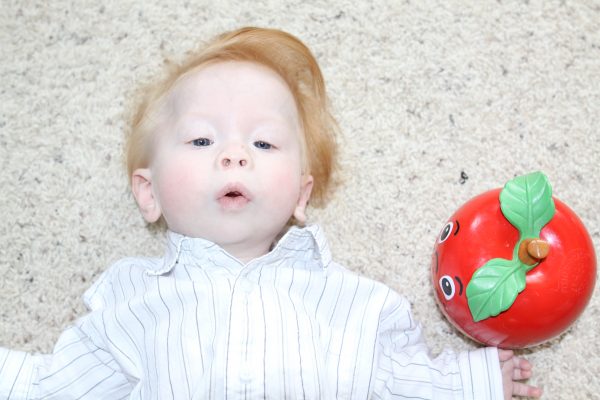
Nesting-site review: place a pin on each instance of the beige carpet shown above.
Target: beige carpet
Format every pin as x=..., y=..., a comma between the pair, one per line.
x=425, y=91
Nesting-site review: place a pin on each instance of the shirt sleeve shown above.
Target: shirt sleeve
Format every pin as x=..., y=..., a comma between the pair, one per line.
x=78, y=368
x=405, y=368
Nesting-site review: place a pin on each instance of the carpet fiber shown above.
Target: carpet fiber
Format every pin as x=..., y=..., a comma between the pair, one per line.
x=438, y=101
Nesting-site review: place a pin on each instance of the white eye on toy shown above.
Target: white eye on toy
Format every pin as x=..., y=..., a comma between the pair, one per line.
x=447, y=286
x=446, y=232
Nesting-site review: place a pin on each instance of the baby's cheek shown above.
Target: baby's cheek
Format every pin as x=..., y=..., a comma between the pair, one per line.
x=175, y=189
x=285, y=178
x=285, y=186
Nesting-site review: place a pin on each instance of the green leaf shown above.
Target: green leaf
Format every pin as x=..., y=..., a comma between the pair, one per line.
x=494, y=287
x=526, y=201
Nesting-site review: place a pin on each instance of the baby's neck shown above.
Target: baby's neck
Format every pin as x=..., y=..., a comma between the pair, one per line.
x=247, y=249
x=245, y=254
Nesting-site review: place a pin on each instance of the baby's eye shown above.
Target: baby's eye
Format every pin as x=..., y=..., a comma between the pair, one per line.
x=262, y=145
x=202, y=142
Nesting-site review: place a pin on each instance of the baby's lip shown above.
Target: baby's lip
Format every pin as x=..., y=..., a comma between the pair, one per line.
x=234, y=190
x=233, y=197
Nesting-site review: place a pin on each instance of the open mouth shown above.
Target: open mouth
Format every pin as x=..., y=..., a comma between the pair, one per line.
x=233, y=197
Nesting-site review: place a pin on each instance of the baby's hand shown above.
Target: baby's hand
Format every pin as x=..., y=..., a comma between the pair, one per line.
x=515, y=369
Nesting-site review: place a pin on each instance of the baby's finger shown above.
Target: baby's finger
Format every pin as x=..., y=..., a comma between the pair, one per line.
x=524, y=390
x=520, y=374
x=505, y=355
x=522, y=369
x=522, y=363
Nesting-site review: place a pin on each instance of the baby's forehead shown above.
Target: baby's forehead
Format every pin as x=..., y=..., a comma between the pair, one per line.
x=230, y=85
x=238, y=75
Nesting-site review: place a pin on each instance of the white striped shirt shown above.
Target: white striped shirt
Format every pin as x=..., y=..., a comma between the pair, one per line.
x=292, y=324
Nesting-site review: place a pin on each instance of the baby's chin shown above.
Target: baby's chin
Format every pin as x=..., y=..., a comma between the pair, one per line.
x=241, y=240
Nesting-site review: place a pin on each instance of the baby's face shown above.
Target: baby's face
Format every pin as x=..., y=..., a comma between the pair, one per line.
x=227, y=164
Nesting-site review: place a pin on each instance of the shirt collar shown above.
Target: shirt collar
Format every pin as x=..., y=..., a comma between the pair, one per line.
x=307, y=245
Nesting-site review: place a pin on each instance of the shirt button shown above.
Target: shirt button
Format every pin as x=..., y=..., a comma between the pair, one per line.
x=246, y=286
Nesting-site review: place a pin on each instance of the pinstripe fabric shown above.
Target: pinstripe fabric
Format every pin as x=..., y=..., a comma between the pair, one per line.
x=197, y=324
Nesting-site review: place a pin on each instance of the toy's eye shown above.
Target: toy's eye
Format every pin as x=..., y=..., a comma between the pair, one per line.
x=447, y=286
x=446, y=232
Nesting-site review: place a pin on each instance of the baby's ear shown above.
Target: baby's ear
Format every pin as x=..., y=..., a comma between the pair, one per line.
x=141, y=185
x=305, y=191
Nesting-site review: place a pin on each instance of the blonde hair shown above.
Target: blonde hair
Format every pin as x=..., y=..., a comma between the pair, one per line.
x=290, y=59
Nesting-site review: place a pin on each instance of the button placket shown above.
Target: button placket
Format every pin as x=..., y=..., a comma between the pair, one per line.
x=246, y=286
x=241, y=329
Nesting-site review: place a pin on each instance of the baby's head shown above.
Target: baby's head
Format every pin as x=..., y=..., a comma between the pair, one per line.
x=290, y=77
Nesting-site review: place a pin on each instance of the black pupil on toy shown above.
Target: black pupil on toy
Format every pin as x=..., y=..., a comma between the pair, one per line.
x=446, y=232
x=446, y=286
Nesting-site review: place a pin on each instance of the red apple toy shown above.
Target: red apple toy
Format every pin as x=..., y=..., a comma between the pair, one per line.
x=515, y=267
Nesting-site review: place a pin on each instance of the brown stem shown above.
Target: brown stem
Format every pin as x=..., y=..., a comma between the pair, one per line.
x=532, y=251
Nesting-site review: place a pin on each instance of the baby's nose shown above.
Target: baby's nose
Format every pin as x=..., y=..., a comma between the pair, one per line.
x=228, y=161
x=234, y=156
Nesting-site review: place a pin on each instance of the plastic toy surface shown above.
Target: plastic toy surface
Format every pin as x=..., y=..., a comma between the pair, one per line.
x=514, y=267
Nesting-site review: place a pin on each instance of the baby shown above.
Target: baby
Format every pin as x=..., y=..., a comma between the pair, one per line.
x=247, y=301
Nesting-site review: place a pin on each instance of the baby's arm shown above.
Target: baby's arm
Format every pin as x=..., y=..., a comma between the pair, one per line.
x=515, y=369
x=406, y=369
x=16, y=372
x=77, y=369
